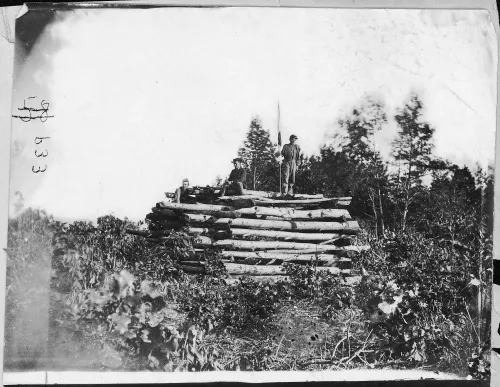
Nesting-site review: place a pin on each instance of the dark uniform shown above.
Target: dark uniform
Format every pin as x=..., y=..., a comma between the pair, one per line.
x=238, y=175
x=237, y=179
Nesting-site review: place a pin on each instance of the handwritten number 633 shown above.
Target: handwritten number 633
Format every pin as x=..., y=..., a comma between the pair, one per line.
x=38, y=140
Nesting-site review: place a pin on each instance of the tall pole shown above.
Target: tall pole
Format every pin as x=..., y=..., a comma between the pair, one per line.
x=279, y=142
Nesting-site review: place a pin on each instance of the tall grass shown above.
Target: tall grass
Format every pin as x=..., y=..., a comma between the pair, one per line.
x=29, y=255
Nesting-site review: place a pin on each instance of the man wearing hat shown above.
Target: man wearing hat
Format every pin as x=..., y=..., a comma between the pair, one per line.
x=237, y=178
x=291, y=157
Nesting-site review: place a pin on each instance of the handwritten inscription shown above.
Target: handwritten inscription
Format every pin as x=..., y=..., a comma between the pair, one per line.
x=42, y=114
x=38, y=141
x=33, y=113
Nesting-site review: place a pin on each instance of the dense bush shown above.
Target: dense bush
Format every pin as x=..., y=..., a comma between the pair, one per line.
x=249, y=305
x=133, y=324
x=328, y=291
x=418, y=296
x=85, y=255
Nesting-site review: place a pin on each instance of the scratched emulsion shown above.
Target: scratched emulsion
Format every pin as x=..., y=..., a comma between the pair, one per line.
x=29, y=249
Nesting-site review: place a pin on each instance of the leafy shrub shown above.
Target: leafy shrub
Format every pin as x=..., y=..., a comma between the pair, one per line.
x=85, y=254
x=417, y=301
x=326, y=289
x=249, y=305
x=214, y=266
x=203, y=302
x=134, y=324
x=245, y=306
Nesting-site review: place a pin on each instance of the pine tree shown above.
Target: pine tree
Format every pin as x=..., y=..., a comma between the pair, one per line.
x=258, y=153
x=412, y=151
x=360, y=145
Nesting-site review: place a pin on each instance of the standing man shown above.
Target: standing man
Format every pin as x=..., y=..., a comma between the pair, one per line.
x=291, y=154
x=237, y=179
x=181, y=193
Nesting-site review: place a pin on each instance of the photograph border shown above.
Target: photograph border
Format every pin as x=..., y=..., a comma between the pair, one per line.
x=6, y=67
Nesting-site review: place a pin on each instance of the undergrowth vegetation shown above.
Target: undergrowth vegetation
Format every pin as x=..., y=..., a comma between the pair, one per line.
x=416, y=305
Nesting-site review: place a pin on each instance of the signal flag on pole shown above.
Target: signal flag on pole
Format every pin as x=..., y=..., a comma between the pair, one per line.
x=279, y=143
x=279, y=130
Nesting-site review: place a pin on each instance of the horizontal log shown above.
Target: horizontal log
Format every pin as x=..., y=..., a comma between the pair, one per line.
x=344, y=251
x=331, y=261
x=195, y=207
x=277, y=235
x=240, y=269
x=237, y=202
x=176, y=214
x=216, y=214
x=292, y=213
x=271, y=279
x=349, y=227
x=303, y=202
x=253, y=258
x=200, y=218
x=201, y=263
x=242, y=197
x=277, y=195
x=331, y=215
x=277, y=259
x=285, y=257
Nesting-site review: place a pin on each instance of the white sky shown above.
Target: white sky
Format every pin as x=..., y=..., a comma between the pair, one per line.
x=143, y=98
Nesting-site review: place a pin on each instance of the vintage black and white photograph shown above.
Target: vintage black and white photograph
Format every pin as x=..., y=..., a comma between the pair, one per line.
x=252, y=189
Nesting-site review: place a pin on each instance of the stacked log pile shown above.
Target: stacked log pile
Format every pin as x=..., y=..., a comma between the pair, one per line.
x=259, y=231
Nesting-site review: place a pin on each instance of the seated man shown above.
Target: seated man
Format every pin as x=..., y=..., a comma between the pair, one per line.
x=182, y=193
x=237, y=178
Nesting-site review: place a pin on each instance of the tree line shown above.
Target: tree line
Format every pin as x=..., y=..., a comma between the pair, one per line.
x=415, y=188
x=429, y=221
